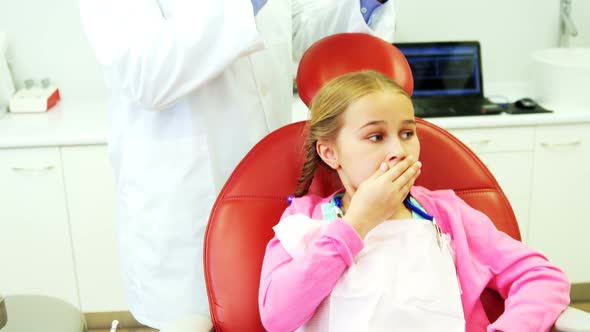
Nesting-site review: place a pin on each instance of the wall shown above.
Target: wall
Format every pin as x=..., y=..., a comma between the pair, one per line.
x=581, y=16
x=45, y=39
x=48, y=41
x=507, y=30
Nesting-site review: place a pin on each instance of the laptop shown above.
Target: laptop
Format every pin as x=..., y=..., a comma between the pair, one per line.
x=447, y=79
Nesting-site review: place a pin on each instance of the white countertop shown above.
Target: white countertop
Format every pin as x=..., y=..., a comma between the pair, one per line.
x=508, y=120
x=86, y=123
x=300, y=112
x=68, y=123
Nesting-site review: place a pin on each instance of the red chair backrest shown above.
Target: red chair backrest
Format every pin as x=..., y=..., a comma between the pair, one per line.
x=255, y=196
x=344, y=53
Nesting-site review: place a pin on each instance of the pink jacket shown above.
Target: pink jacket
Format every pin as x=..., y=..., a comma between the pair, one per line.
x=536, y=292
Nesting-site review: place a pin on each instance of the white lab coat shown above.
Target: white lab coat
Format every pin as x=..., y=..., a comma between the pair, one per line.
x=194, y=85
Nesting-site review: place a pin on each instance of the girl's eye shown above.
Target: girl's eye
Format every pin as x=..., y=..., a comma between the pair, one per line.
x=407, y=134
x=376, y=138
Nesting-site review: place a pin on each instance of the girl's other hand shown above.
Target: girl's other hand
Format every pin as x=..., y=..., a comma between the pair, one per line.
x=381, y=195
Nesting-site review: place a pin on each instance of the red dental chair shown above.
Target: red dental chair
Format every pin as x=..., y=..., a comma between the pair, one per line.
x=255, y=195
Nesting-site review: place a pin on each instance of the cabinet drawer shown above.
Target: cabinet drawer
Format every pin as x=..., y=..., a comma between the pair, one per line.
x=91, y=205
x=35, y=242
x=559, y=198
x=562, y=139
x=497, y=139
x=29, y=161
x=513, y=170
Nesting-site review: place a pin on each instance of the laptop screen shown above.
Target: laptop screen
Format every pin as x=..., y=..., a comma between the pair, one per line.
x=444, y=68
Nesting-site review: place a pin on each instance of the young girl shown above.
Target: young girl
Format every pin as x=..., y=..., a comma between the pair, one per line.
x=381, y=254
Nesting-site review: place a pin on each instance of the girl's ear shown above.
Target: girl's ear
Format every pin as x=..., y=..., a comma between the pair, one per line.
x=328, y=153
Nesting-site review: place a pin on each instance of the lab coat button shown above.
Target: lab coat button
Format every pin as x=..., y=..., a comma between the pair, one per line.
x=263, y=91
x=364, y=10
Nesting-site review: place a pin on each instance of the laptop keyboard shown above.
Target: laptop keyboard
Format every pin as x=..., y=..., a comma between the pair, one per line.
x=444, y=107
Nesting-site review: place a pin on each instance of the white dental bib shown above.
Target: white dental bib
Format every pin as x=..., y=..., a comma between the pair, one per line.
x=402, y=280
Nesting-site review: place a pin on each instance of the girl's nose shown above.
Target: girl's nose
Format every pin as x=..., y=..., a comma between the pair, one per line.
x=396, y=153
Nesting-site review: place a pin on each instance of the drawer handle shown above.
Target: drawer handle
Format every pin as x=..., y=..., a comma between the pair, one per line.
x=33, y=169
x=561, y=145
x=480, y=142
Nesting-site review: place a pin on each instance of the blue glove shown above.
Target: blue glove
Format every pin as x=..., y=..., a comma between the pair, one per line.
x=258, y=4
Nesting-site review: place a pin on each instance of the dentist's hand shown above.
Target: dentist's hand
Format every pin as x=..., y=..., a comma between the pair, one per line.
x=380, y=195
x=257, y=5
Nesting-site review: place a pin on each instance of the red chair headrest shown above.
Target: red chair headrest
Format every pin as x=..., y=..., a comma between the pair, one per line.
x=344, y=53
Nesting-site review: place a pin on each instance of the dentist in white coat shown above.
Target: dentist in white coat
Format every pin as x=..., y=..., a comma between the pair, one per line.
x=194, y=84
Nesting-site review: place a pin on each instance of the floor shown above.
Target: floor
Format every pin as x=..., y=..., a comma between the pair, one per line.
x=100, y=322
x=137, y=329
x=582, y=306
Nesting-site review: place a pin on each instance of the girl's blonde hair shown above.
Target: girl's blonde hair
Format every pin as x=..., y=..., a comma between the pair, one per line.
x=327, y=106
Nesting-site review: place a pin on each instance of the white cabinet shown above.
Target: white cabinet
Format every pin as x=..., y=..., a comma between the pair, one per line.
x=91, y=203
x=35, y=244
x=544, y=171
x=560, y=226
x=512, y=170
x=508, y=154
